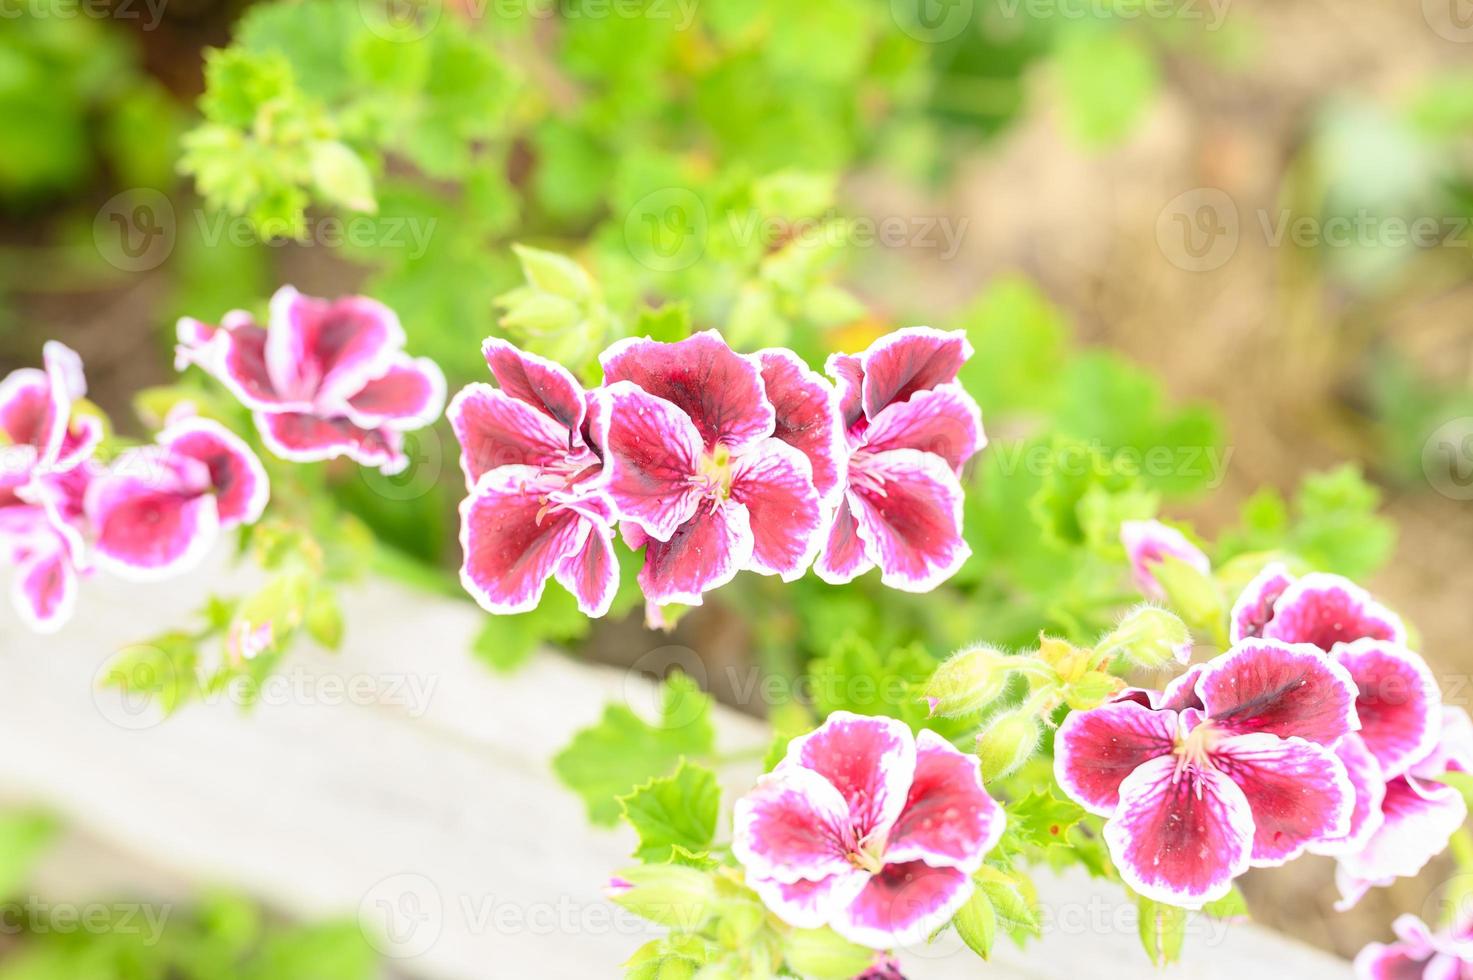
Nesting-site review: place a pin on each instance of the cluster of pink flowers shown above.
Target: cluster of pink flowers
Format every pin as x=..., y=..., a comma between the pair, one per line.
x=1419, y=953
x=325, y=378
x=1319, y=730
x=153, y=512
x=867, y=829
x=714, y=462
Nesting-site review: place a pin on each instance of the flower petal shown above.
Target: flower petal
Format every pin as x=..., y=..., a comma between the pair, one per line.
x=242, y=369
x=794, y=825
x=810, y=904
x=45, y=589
x=903, y=905
x=718, y=388
x=910, y=360
x=1369, y=785
x=944, y=421
x=1398, y=701
x=236, y=475
x=806, y=410
x=1323, y=610
x=1095, y=750
x=1180, y=837
x=1454, y=749
x=409, y=395
x=494, y=429
x=303, y=438
x=591, y=573
x=908, y=505
x=949, y=820
x=511, y=542
x=1420, y=817
x=1148, y=543
x=773, y=482
x=1265, y=686
x=149, y=519
x=870, y=760
x=326, y=351
x=651, y=454
x=1298, y=792
x=842, y=557
x=537, y=381
x=703, y=554
x=847, y=370
x=1255, y=606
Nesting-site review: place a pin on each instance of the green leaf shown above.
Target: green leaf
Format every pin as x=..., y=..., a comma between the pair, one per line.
x=341, y=177
x=1086, y=495
x=1013, y=900
x=1107, y=79
x=1231, y=906
x=976, y=923
x=325, y=618
x=1162, y=930
x=24, y=836
x=1039, y=820
x=609, y=759
x=855, y=677
x=675, y=811
x=667, y=323
x=1020, y=339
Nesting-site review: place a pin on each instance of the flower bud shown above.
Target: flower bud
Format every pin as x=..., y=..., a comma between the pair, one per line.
x=669, y=894
x=1192, y=592
x=1008, y=742
x=968, y=681
x=824, y=955
x=1148, y=637
x=549, y=272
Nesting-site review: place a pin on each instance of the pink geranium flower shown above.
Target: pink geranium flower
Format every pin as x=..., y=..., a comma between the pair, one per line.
x=1319, y=608
x=867, y=829
x=44, y=589
x=41, y=433
x=1236, y=772
x=324, y=378
x=1401, y=817
x=694, y=467
x=1409, y=817
x=534, y=511
x=1148, y=544
x=910, y=428
x=158, y=510
x=1419, y=953
x=46, y=459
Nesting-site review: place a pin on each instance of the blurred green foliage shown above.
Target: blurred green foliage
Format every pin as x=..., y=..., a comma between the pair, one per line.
x=220, y=935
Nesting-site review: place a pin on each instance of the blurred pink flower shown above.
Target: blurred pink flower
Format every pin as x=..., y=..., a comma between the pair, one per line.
x=324, y=378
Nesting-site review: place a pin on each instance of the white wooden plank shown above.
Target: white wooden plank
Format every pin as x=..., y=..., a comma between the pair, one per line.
x=402, y=780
